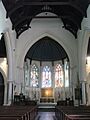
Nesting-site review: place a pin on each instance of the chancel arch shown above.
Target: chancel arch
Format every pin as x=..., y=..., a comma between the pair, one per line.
x=47, y=65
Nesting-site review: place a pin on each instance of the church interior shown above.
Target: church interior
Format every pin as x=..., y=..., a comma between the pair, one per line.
x=45, y=59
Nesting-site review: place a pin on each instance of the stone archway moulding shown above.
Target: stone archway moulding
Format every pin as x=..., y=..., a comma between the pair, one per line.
x=30, y=43
x=20, y=60
x=82, y=62
x=84, y=54
x=5, y=84
x=71, y=55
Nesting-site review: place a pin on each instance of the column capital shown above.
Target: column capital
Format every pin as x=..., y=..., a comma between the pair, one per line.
x=10, y=81
x=83, y=81
x=20, y=68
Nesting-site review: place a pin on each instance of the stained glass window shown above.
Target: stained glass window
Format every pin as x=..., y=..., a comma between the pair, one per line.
x=34, y=76
x=46, y=77
x=59, y=76
x=66, y=74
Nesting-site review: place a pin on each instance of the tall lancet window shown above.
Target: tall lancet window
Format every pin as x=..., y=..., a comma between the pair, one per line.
x=46, y=77
x=59, y=76
x=66, y=74
x=34, y=76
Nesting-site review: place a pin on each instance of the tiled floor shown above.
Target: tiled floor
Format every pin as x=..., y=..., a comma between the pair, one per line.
x=46, y=116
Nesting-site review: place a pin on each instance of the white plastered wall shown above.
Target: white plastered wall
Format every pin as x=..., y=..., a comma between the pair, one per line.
x=76, y=48
x=83, y=37
x=39, y=29
x=6, y=26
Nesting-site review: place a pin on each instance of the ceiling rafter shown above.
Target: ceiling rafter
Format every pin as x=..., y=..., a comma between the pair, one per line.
x=21, y=21
x=21, y=31
x=69, y=29
x=21, y=12
x=9, y=13
x=36, y=17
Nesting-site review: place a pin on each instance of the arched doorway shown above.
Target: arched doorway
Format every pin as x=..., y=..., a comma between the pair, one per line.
x=1, y=89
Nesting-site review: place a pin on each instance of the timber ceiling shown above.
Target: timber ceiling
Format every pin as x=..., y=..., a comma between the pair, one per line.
x=21, y=13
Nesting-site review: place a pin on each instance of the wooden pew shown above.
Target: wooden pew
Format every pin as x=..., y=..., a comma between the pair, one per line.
x=72, y=113
x=10, y=118
x=78, y=117
x=18, y=112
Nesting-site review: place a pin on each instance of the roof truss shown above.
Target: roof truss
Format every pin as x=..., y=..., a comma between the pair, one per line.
x=27, y=6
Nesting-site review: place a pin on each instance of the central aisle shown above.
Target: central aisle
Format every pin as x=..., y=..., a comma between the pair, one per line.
x=46, y=116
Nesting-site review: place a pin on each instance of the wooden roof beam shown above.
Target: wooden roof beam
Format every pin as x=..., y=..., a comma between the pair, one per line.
x=45, y=3
x=39, y=17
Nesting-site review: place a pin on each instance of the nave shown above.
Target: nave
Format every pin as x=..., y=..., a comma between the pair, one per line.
x=46, y=116
x=45, y=59
x=33, y=112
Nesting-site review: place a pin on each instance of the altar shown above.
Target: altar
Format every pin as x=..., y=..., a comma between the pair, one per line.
x=46, y=100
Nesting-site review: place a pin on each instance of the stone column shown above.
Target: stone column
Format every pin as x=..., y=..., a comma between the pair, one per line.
x=83, y=92
x=20, y=85
x=64, y=81
x=53, y=79
x=10, y=92
x=40, y=83
x=10, y=65
x=70, y=87
x=30, y=80
x=24, y=78
x=30, y=74
x=73, y=81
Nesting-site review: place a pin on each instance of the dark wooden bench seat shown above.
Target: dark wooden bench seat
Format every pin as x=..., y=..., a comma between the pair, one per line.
x=10, y=118
x=18, y=112
x=77, y=117
x=72, y=113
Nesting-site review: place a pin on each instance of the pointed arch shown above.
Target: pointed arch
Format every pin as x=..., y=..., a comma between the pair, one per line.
x=29, y=43
x=5, y=85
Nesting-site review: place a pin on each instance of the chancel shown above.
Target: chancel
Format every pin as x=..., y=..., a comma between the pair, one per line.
x=44, y=59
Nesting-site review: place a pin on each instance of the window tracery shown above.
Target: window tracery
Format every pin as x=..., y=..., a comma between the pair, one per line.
x=34, y=76
x=58, y=76
x=46, y=77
